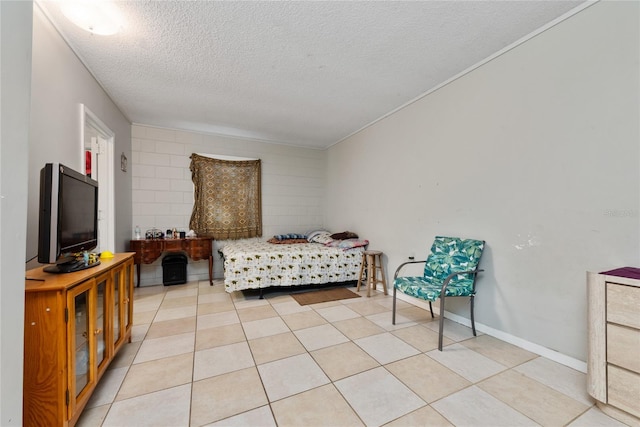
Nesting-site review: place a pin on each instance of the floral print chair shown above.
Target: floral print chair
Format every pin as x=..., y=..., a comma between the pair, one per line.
x=450, y=271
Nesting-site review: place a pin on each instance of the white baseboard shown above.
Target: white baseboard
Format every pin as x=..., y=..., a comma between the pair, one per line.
x=556, y=356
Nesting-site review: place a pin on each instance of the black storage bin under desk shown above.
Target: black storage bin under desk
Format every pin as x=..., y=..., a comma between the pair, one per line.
x=174, y=269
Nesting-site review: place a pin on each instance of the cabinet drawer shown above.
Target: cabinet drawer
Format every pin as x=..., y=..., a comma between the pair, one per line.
x=623, y=347
x=173, y=245
x=624, y=390
x=622, y=305
x=199, y=254
x=203, y=246
x=147, y=251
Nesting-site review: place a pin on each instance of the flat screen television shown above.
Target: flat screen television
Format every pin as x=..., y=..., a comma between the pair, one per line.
x=68, y=218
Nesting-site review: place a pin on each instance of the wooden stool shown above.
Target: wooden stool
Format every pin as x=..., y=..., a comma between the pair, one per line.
x=372, y=262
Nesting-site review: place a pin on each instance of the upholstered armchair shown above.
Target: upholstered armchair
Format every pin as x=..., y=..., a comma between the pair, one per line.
x=450, y=270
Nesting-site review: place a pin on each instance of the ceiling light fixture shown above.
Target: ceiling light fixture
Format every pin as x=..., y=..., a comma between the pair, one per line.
x=96, y=16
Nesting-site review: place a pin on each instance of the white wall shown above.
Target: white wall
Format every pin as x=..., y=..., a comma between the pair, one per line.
x=15, y=82
x=536, y=152
x=60, y=84
x=293, y=184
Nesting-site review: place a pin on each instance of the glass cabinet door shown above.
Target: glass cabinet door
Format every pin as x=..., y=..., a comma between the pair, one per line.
x=82, y=349
x=128, y=297
x=102, y=350
x=117, y=312
x=82, y=340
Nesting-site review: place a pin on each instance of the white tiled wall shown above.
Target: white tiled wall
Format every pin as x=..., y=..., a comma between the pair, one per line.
x=293, y=186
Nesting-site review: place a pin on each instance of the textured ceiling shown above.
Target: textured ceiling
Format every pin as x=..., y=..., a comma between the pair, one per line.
x=301, y=73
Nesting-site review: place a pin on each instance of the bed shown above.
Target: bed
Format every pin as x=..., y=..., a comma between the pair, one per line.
x=261, y=265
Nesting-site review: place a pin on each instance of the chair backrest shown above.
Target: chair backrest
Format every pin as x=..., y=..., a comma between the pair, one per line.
x=451, y=254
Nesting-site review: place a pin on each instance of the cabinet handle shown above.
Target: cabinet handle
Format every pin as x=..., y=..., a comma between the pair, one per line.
x=97, y=331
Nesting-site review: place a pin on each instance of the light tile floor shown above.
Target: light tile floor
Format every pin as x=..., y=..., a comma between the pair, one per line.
x=202, y=357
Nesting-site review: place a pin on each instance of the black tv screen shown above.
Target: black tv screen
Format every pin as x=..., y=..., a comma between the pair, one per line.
x=78, y=211
x=68, y=218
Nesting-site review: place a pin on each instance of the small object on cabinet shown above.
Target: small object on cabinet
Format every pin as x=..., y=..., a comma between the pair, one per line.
x=153, y=233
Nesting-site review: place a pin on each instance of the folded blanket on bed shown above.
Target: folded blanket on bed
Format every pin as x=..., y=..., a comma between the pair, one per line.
x=344, y=235
x=277, y=241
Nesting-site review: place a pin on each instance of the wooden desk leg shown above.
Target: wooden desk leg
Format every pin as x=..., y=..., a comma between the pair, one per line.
x=138, y=271
x=210, y=270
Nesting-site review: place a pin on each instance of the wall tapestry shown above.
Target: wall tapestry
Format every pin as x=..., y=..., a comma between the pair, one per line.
x=228, y=200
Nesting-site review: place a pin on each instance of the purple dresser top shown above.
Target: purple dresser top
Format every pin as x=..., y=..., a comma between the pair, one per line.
x=629, y=272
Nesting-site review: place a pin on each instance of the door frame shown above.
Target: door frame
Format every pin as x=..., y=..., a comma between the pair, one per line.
x=89, y=119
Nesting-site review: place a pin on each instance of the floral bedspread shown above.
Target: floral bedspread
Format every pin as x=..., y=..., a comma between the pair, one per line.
x=254, y=265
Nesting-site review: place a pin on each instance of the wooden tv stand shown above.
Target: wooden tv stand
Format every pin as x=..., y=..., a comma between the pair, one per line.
x=74, y=325
x=149, y=250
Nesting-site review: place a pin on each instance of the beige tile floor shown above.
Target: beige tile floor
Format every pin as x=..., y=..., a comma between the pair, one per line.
x=202, y=357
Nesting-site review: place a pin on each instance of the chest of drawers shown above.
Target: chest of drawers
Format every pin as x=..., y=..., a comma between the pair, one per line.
x=613, y=376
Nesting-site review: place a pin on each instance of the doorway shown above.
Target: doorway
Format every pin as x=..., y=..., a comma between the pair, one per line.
x=98, y=163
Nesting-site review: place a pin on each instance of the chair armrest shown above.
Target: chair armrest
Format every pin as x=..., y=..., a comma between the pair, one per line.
x=405, y=263
x=449, y=277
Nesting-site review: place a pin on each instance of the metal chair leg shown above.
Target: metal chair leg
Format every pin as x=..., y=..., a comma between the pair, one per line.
x=441, y=329
x=393, y=316
x=473, y=323
x=431, y=309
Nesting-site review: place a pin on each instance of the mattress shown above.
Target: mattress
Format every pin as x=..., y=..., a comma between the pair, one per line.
x=256, y=265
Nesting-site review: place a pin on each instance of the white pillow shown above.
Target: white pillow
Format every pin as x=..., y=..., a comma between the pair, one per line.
x=320, y=236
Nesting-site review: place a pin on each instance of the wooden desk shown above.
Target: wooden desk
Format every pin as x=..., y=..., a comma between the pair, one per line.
x=149, y=250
